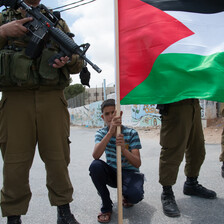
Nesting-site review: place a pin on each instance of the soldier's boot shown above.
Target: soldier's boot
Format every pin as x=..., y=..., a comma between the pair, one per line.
x=14, y=220
x=222, y=170
x=191, y=187
x=169, y=204
x=65, y=216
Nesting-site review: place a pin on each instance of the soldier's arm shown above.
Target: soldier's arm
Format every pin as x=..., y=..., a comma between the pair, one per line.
x=76, y=63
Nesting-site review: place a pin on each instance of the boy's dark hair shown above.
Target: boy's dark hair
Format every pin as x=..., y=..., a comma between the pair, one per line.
x=107, y=103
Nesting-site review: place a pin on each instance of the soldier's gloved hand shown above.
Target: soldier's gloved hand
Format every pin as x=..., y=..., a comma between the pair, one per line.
x=85, y=76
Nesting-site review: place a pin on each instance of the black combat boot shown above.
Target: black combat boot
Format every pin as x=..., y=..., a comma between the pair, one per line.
x=191, y=187
x=168, y=202
x=65, y=216
x=222, y=170
x=14, y=220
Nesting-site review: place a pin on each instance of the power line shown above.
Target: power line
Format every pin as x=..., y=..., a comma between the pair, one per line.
x=77, y=5
x=73, y=6
x=68, y=4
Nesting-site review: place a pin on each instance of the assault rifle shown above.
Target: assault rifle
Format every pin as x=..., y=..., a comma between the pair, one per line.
x=42, y=28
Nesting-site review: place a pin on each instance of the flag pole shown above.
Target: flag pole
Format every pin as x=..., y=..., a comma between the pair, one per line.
x=119, y=168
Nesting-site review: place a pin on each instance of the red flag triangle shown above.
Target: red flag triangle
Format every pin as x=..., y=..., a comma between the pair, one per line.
x=144, y=33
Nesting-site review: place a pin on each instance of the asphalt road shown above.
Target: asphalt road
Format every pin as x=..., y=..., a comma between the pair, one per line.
x=86, y=204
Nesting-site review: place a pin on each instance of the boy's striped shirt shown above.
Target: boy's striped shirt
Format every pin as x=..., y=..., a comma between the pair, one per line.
x=132, y=141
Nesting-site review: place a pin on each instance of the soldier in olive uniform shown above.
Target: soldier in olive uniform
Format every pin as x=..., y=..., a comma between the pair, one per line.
x=33, y=110
x=221, y=157
x=181, y=133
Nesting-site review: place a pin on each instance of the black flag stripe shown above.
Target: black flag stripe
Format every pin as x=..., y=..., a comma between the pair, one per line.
x=197, y=6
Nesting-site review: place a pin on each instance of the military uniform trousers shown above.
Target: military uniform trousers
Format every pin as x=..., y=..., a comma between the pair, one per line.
x=221, y=157
x=28, y=119
x=181, y=134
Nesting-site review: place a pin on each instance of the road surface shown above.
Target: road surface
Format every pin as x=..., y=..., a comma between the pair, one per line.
x=86, y=204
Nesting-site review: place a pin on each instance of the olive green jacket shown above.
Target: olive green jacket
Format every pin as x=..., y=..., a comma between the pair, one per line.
x=18, y=71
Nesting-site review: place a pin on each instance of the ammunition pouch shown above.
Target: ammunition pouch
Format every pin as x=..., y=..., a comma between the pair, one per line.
x=19, y=70
x=16, y=69
x=50, y=76
x=163, y=108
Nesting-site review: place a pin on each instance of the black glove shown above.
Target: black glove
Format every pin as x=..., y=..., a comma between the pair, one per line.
x=85, y=76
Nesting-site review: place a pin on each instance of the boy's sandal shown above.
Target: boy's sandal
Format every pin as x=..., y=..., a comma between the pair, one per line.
x=104, y=217
x=126, y=204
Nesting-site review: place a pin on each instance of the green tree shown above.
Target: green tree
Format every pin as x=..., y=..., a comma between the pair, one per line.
x=73, y=90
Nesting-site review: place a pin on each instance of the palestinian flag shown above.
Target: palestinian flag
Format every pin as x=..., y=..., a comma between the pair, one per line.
x=170, y=50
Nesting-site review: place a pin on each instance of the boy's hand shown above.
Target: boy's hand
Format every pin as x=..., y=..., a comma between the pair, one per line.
x=116, y=121
x=120, y=141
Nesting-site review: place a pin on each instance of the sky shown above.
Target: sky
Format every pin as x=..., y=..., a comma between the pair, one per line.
x=94, y=24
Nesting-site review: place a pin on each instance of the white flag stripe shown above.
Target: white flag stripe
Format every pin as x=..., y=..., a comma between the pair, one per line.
x=208, y=37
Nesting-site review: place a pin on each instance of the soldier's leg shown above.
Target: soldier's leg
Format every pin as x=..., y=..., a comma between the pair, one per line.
x=195, y=151
x=195, y=154
x=221, y=157
x=18, y=140
x=174, y=134
x=53, y=142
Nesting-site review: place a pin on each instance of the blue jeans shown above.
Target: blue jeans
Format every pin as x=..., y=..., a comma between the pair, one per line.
x=102, y=175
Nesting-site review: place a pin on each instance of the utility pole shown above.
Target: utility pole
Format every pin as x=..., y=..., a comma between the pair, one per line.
x=104, y=89
x=102, y=94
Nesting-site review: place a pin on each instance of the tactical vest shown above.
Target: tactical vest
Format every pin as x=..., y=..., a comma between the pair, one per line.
x=18, y=71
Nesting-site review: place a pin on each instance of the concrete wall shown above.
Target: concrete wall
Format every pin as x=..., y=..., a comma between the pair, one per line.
x=88, y=115
x=133, y=115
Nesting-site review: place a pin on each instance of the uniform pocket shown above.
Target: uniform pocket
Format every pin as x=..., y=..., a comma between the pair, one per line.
x=21, y=67
x=45, y=70
x=168, y=131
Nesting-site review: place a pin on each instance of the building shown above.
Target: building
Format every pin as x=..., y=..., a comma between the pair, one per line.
x=97, y=94
x=90, y=95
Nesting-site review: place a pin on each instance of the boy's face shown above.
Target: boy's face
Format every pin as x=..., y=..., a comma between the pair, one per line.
x=108, y=114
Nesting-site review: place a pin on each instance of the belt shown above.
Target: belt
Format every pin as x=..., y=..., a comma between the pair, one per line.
x=187, y=101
